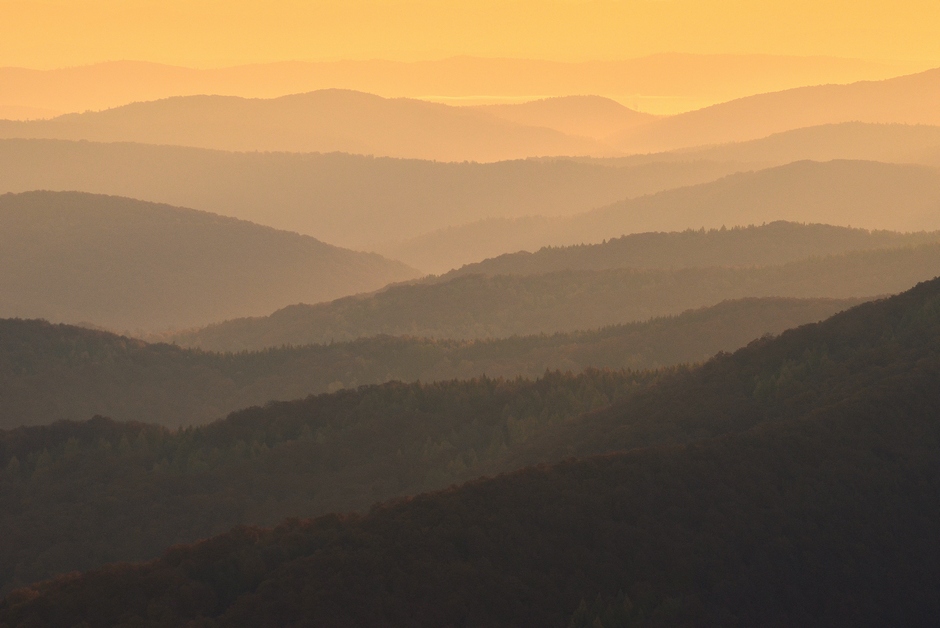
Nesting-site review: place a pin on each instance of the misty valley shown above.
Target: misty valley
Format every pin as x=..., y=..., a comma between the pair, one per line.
x=320, y=344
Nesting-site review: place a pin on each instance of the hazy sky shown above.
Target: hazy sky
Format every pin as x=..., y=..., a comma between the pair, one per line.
x=56, y=33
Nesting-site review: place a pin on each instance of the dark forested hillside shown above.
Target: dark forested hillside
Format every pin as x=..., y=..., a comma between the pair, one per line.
x=774, y=243
x=348, y=200
x=478, y=306
x=57, y=372
x=78, y=495
x=805, y=494
x=130, y=265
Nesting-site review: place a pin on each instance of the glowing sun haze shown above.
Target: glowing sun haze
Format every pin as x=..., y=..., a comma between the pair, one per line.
x=57, y=33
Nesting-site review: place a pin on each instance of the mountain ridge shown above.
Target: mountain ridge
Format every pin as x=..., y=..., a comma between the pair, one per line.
x=128, y=264
x=328, y=120
x=57, y=372
x=910, y=99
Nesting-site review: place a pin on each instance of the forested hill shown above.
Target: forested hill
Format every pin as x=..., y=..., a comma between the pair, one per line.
x=57, y=372
x=477, y=306
x=769, y=244
x=813, y=503
x=129, y=265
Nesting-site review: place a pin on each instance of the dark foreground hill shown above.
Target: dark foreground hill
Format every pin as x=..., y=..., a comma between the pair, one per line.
x=796, y=484
x=57, y=372
x=128, y=264
x=479, y=306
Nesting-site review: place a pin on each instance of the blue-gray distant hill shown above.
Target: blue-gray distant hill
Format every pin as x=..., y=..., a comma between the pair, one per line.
x=130, y=265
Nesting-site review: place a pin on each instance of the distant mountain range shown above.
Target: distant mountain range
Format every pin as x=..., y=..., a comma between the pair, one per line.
x=348, y=200
x=912, y=99
x=321, y=121
x=680, y=81
x=480, y=306
x=893, y=143
x=579, y=116
x=439, y=216
x=130, y=265
x=356, y=122
x=872, y=195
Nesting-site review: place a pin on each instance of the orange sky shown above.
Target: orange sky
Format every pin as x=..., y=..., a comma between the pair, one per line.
x=57, y=33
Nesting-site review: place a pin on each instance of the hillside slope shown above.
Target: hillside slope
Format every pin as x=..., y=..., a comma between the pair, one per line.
x=871, y=195
x=127, y=264
x=321, y=121
x=892, y=143
x=478, y=306
x=813, y=502
x=57, y=372
x=770, y=244
x=580, y=116
x=912, y=99
x=348, y=200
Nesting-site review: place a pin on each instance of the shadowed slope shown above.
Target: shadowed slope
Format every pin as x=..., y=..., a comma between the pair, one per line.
x=128, y=264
